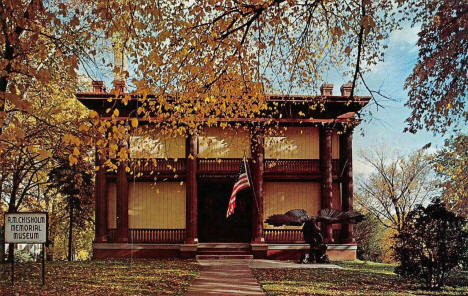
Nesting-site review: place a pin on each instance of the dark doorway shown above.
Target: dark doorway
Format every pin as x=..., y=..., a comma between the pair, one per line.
x=213, y=199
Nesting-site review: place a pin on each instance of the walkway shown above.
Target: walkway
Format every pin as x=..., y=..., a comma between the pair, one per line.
x=225, y=277
x=234, y=277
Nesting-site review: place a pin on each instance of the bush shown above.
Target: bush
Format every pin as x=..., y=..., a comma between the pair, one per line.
x=22, y=256
x=434, y=242
x=369, y=235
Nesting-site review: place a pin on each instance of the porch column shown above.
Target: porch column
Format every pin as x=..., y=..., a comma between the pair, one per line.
x=101, y=201
x=346, y=157
x=191, y=236
x=258, y=152
x=122, y=204
x=326, y=177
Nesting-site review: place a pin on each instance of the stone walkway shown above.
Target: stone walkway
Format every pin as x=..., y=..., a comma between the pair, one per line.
x=234, y=277
x=225, y=277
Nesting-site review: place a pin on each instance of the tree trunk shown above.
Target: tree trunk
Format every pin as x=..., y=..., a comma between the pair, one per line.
x=12, y=209
x=2, y=253
x=70, y=232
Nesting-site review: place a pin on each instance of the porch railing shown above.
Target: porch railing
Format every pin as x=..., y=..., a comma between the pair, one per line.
x=156, y=235
x=283, y=236
x=178, y=235
x=149, y=167
x=292, y=166
x=218, y=166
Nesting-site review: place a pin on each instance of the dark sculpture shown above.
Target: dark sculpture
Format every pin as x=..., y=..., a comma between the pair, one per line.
x=311, y=231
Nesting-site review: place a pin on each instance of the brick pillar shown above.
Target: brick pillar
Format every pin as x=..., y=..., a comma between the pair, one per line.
x=191, y=235
x=122, y=204
x=258, y=152
x=346, y=159
x=101, y=201
x=326, y=177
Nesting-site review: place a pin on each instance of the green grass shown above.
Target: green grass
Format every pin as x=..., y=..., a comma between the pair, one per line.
x=116, y=277
x=356, y=278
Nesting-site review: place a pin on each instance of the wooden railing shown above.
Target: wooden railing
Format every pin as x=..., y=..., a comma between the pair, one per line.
x=298, y=166
x=178, y=235
x=292, y=166
x=283, y=235
x=218, y=166
x=148, y=167
x=156, y=235
x=292, y=235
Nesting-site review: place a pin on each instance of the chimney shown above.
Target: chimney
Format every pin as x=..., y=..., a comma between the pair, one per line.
x=120, y=67
x=98, y=86
x=346, y=89
x=326, y=89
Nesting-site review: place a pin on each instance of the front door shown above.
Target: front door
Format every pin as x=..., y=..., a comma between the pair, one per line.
x=213, y=199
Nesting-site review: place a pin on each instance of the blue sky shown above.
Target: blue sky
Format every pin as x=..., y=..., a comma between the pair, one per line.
x=384, y=129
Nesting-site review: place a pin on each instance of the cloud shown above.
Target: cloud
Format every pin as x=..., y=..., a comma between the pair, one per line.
x=362, y=168
x=405, y=38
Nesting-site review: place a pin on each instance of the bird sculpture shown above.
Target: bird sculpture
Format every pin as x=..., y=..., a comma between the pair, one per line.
x=311, y=231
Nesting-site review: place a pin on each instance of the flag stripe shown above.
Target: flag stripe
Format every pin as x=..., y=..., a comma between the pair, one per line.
x=242, y=183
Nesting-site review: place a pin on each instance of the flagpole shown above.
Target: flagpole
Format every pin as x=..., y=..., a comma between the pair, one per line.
x=247, y=168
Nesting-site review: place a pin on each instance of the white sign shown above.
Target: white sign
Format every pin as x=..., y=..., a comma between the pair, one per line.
x=26, y=228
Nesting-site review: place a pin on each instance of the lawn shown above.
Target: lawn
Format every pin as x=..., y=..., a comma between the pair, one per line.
x=357, y=278
x=116, y=277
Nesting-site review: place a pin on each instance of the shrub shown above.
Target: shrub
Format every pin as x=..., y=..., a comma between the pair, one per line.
x=369, y=235
x=22, y=256
x=433, y=243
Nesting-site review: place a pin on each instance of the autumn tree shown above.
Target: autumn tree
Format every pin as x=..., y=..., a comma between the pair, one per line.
x=437, y=87
x=33, y=33
x=396, y=185
x=450, y=164
x=76, y=187
x=32, y=138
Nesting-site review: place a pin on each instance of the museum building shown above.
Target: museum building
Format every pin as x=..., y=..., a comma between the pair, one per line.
x=307, y=165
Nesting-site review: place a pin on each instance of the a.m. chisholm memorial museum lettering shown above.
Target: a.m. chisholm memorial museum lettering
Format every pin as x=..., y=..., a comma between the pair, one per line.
x=26, y=227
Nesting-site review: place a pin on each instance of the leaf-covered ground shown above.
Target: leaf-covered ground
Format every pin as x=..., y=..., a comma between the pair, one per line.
x=357, y=278
x=117, y=277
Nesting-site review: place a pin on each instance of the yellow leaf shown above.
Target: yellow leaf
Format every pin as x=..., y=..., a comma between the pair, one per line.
x=92, y=114
x=44, y=154
x=83, y=128
x=134, y=122
x=72, y=159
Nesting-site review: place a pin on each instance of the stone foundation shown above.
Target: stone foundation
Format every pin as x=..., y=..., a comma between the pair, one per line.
x=336, y=252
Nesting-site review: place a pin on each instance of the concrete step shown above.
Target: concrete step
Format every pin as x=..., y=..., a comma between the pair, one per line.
x=223, y=246
x=223, y=252
x=224, y=249
x=218, y=257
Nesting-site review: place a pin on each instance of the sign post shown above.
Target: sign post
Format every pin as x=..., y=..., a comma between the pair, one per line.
x=43, y=264
x=27, y=228
x=13, y=266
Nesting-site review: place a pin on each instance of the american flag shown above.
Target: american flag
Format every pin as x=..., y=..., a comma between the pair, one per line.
x=242, y=182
